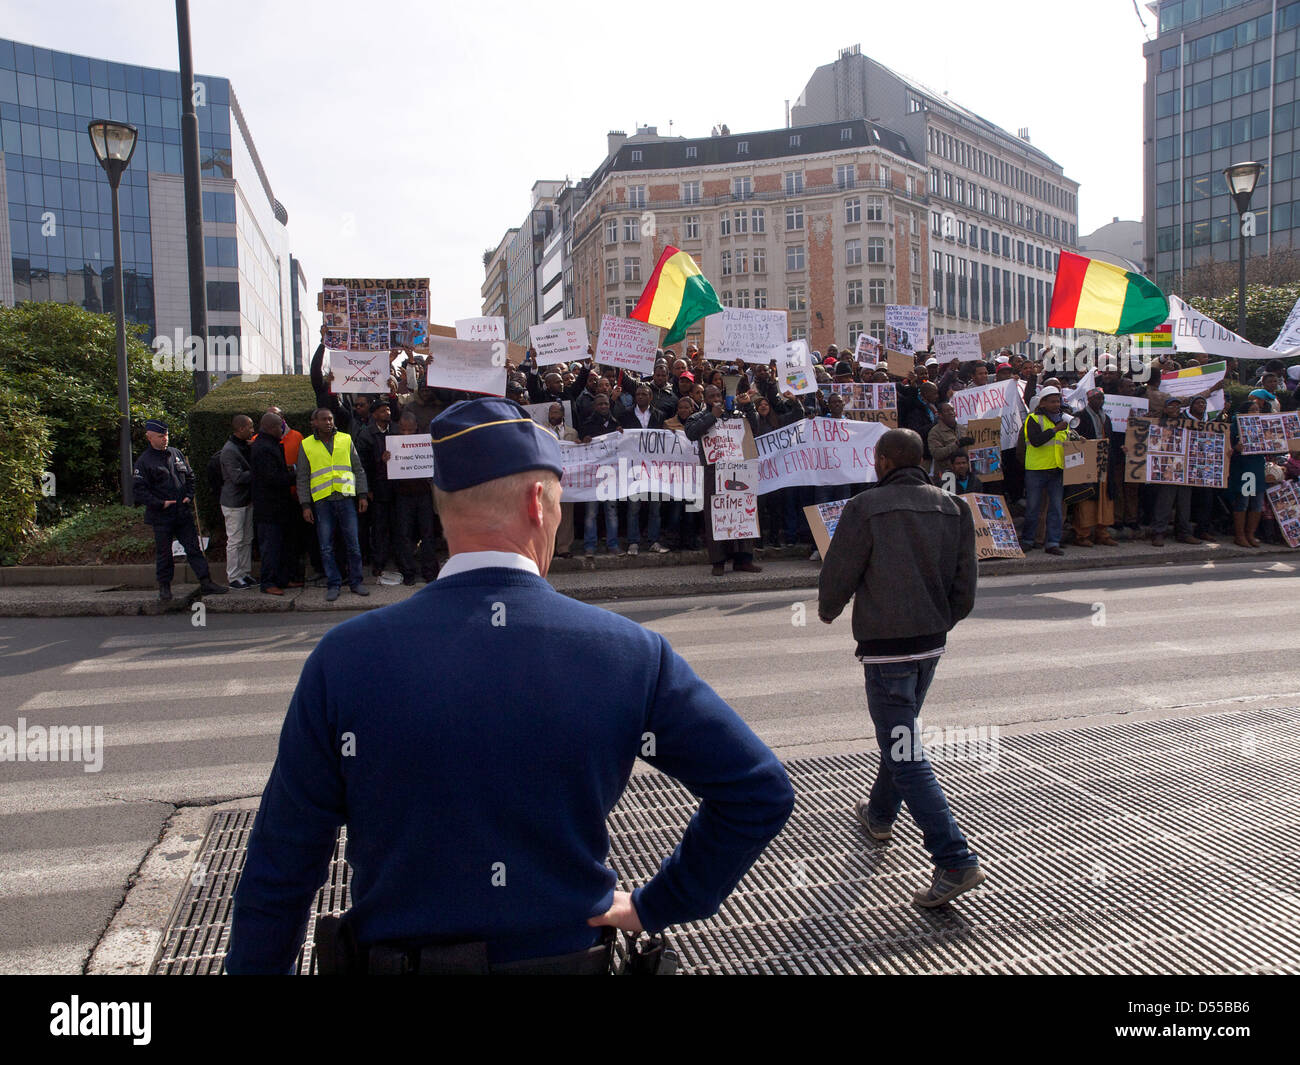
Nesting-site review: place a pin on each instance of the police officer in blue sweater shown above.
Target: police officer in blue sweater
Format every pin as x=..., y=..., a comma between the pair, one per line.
x=476, y=803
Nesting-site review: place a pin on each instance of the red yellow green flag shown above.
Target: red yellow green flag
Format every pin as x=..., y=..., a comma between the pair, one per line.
x=676, y=296
x=1091, y=294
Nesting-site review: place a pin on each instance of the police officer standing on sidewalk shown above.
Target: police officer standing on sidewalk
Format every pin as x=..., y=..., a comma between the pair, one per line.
x=164, y=485
x=475, y=805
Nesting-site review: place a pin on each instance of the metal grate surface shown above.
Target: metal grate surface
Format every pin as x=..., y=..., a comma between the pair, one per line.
x=1149, y=847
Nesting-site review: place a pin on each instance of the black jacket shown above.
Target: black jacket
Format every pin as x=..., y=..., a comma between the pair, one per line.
x=272, y=478
x=371, y=445
x=629, y=420
x=160, y=476
x=597, y=426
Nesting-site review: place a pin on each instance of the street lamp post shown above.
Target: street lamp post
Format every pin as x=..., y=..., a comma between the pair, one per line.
x=1241, y=179
x=114, y=144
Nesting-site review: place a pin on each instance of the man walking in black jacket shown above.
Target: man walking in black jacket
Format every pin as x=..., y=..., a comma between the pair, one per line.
x=904, y=551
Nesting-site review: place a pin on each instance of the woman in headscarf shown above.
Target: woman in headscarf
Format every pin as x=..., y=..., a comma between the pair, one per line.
x=1245, y=482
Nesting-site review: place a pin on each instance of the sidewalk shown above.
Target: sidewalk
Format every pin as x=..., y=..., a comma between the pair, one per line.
x=110, y=591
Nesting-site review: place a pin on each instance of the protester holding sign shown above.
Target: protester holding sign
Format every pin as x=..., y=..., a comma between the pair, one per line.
x=1093, y=517
x=1245, y=482
x=1045, y=434
x=741, y=551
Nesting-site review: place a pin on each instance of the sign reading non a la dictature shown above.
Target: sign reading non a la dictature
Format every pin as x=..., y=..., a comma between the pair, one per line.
x=374, y=315
x=738, y=333
x=491, y=328
x=1284, y=501
x=907, y=328
x=986, y=453
x=466, y=366
x=733, y=508
x=865, y=402
x=962, y=346
x=818, y=451
x=1179, y=451
x=995, y=531
x=561, y=341
x=794, y=368
x=1267, y=434
x=998, y=400
x=409, y=456
x=627, y=344
x=630, y=463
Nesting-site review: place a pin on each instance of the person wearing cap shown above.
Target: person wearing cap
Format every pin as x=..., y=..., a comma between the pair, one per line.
x=332, y=487
x=163, y=483
x=476, y=807
x=1094, y=517
x=1046, y=430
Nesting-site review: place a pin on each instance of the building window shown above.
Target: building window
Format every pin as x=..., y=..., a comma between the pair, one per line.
x=726, y=264
x=632, y=228
x=793, y=182
x=947, y=186
x=742, y=261
x=758, y=220
x=916, y=260
x=611, y=271
x=760, y=260
x=692, y=227
x=799, y=332
x=760, y=299
x=632, y=269
x=796, y=139
x=742, y=147
x=876, y=292
x=724, y=224
x=613, y=306
x=629, y=305
x=853, y=252
x=794, y=216
x=876, y=250
x=855, y=293
x=886, y=177
x=855, y=331
x=852, y=211
x=636, y=155
x=690, y=192
x=742, y=220
x=742, y=297
x=846, y=133
x=611, y=231
x=726, y=297
x=795, y=300
x=916, y=226
x=794, y=259
x=934, y=180
x=742, y=187
x=636, y=195
x=846, y=176
x=875, y=209
x=877, y=329
x=692, y=152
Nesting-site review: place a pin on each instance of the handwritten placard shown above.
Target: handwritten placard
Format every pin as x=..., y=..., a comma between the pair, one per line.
x=627, y=344
x=561, y=341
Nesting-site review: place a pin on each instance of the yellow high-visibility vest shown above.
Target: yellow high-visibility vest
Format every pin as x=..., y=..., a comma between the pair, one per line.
x=1049, y=456
x=330, y=471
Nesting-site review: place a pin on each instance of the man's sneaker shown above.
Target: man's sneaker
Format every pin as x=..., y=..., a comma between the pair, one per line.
x=947, y=885
x=877, y=830
x=632, y=549
x=658, y=548
x=164, y=591
x=331, y=594
x=208, y=586
x=359, y=589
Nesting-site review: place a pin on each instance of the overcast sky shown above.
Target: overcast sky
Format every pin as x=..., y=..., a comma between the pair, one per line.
x=403, y=137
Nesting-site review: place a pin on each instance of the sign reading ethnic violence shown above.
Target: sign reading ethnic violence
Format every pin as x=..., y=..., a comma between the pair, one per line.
x=1179, y=451
x=409, y=456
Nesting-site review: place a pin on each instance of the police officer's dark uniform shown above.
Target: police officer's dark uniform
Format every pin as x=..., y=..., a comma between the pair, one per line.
x=475, y=795
x=163, y=474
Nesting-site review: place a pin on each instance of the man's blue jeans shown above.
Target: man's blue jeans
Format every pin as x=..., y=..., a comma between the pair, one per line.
x=895, y=691
x=1044, y=486
x=634, y=521
x=339, y=511
x=611, y=526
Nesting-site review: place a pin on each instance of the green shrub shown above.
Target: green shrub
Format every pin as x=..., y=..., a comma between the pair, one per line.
x=24, y=456
x=209, y=427
x=90, y=534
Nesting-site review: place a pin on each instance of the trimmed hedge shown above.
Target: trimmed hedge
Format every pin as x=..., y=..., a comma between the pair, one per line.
x=209, y=427
x=25, y=454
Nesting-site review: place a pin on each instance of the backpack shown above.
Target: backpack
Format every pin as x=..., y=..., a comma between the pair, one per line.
x=216, y=479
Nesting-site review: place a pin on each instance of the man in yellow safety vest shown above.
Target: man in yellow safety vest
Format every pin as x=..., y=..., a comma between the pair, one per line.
x=332, y=488
x=1045, y=432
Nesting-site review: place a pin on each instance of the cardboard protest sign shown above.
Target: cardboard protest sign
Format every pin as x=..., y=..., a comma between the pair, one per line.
x=963, y=346
x=1004, y=336
x=1181, y=451
x=730, y=440
x=733, y=509
x=899, y=365
x=409, y=456
x=823, y=520
x=868, y=350
x=631, y=463
x=1001, y=400
x=561, y=341
x=541, y=412
x=818, y=451
x=1081, y=466
x=907, y=328
x=375, y=314
x=866, y=402
x=1121, y=407
x=740, y=333
x=995, y=531
x=1267, y=434
x=466, y=365
x=627, y=344
x=986, y=453
x=360, y=371
x=794, y=368
x=1284, y=501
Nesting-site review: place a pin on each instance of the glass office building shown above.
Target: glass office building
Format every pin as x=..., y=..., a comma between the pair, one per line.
x=1221, y=88
x=58, y=244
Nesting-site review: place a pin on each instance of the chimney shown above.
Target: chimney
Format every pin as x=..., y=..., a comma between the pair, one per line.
x=787, y=114
x=1023, y=134
x=616, y=138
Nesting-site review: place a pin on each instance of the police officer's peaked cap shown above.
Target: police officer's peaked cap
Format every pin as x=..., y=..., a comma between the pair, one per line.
x=153, y=425
x=480, y=440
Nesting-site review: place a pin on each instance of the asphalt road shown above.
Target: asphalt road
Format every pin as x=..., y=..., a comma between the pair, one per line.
x=190, y=716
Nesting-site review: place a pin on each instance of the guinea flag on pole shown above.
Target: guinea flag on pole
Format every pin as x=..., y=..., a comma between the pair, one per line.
x=676, y=295
x=1090, y=294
